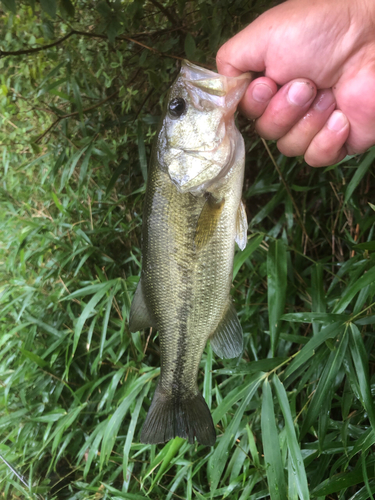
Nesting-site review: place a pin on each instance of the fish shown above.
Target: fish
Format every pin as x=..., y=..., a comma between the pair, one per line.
x=193, y=215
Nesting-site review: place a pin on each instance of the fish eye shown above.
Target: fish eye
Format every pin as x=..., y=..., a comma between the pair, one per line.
x=177, y=107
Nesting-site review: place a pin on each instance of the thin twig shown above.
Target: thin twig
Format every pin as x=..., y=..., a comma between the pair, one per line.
x=69, y=115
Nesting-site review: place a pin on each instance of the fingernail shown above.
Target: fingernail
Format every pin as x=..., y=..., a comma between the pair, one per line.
x=300, y=93
x=262, y=93
x=337, y=121
x=323, y=100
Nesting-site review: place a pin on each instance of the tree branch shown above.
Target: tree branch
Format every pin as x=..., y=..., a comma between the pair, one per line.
x=69, y=115
x=96, y=35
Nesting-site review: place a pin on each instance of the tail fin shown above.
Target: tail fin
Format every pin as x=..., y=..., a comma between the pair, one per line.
x=169, y=416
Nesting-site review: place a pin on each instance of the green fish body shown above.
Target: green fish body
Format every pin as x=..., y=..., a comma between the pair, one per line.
x=193, y=215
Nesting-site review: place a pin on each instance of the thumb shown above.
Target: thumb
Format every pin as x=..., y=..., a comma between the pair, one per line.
x=246, y=51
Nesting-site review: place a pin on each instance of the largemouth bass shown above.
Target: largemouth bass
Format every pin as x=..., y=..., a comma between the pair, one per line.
x=192, y=217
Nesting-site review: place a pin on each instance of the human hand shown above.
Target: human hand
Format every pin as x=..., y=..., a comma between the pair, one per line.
x=317, y=95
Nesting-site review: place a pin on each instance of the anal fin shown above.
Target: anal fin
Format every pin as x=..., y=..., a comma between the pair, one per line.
x=139, y=316
x=241, y=227
x=186, y=416
x=227, y=340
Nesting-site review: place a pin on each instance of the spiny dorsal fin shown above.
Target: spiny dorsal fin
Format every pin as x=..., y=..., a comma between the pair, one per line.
x=139, y=317
x=208, y=220
x=241, y=227
x=227, y=341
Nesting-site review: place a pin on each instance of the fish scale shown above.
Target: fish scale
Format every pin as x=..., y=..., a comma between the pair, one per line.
x=189, y=230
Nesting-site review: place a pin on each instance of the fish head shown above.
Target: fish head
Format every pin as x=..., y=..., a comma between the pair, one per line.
x=197, y=137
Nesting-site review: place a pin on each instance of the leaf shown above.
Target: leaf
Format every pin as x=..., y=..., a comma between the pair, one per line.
x=190, y=47
x=326, y=382
x=272, y=455
x=68, y=7
x=277, y=281
x=114, y=422
x=361, y=364
x=240, y=257
x=84, y=164
x=49, y=6
x=131, y=429
x=142, y=151
x=353, y=288
x=359, y=173
x=34, y=357
x=298, y=469
x=315, y=317
x=116, y=174
x=329, y=332
x=88, y=310
x=219, y=458
x=10, y=5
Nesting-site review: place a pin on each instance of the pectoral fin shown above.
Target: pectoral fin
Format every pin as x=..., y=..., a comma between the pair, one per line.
x=208, y=220
x=241, y=227
x=227, y=341
x=139, y=317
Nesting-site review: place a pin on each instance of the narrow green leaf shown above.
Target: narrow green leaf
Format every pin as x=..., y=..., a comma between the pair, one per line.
x=207, y=384
x=272, y=455
x=326, y=383
x=84, y=164
x=240, y=257
x=131, y=429
x=174, y=447
x=88, y=310
x=315, y=317
x=190, y=47
x=49, y=6
x=359, y=173
x=10, y=5
x=114, y=422
x=77, y=98
x=34, y=357
x=329, y=332
x=361, y=364
x=298, y=469
x=219, y=458
x=116, y=174
x=142, y=151
x=277, y=282
x=353, y=288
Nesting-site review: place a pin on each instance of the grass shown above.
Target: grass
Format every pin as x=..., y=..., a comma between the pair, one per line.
x=294, y=416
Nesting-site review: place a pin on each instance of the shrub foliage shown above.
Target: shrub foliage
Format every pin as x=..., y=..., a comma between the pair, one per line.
x=81, y=92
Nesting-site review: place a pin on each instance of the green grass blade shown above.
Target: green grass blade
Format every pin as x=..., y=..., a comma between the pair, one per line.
x=326, y=382
x=360, y=171
x=271, y=447
x=219, y=458
x=360, y=361
x=253, y=243
x=305, y=354
x=298, y=469
x=353, y=289
x=277, y=281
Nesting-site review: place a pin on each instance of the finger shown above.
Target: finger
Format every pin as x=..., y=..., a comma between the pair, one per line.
x=328, y=146
x=286, y=108
x=257, y=97
x=243, y=52
x=298, y=139
x=356, y=99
